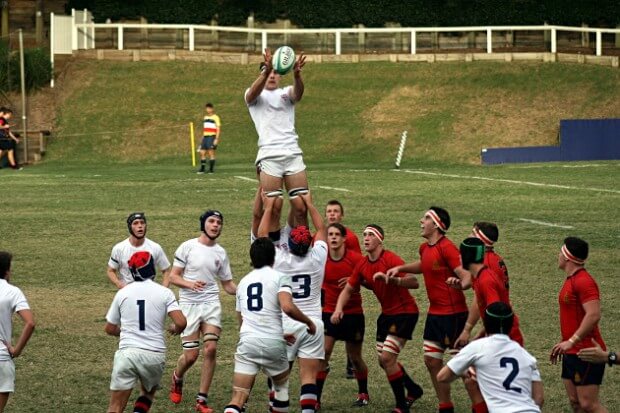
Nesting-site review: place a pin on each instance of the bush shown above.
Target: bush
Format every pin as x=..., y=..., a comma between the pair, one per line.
x=37, y=67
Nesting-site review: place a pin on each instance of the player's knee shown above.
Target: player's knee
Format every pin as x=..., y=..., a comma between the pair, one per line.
x=588, y=405
x=190, y=351
x=433, y=354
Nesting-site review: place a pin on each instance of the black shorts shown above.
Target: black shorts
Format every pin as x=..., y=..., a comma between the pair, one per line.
x=207, y=143
x=351, y=328
x=581, y=373
x=399, y=325
x=6, y=144
x=444, y=329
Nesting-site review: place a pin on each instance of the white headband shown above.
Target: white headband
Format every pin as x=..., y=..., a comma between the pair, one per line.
x=480, y=235
x=436, y=220
x=567, y=254
x=375, y=231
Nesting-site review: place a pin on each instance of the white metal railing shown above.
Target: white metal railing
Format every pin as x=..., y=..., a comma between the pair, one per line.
x=552, y=30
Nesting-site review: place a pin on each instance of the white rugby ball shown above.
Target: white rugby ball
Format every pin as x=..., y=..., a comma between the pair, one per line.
x=283, y=60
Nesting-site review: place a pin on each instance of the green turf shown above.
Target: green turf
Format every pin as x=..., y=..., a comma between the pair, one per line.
x=121, y=144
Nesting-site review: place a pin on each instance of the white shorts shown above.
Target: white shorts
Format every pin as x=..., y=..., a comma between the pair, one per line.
x=282, y=165
x=133, y=364
x=266, y=354
x=207, y=313
x=7, y=376
x=306, y=346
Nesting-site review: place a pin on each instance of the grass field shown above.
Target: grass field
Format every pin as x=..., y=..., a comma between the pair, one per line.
x=62, y=217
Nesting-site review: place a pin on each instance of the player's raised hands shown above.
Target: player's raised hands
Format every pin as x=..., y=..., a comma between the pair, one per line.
x=268, y=66
x=299, y=63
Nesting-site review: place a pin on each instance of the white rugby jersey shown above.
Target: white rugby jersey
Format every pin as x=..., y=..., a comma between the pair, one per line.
x=273, y=113
x=203, y=263
x=306, y=274
x=122, y=252
x=257, y=301
x=504, y=370
x=12, y=300
x=140, y=310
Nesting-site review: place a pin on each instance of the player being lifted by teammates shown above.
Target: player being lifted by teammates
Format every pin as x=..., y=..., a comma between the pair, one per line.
x=138, y=315
x=507, y=374
x=118, y=271
x=399, y=311
x=341, y=262
x=306, y=267
x=12, y=300
x=440, y=264
x=279, y=157
x=211, y=128
x=262, y=296
x=199, y=264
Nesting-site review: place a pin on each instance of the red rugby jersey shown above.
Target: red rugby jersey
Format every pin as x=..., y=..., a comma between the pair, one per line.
x=334, y=271
x=393, y=299
x=496, y=264
x=489, y=288
x=577, y=290
x=352, y=242
x=438, y=264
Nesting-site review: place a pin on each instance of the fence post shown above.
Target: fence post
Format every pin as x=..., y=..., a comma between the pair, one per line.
x=413, y=42
x=52, y=39
x=599, y=43
x=554, y=41
x=74, y=32
x=489, y=40
x=618, y=37
x=251, y=35
x=585, y=37
x=191, y=38
x=338, y=45
x=547, y=37
x=361, y=39
x=119, y=40
x=263, y=40
x=144, y=40
x=215, y=35
x=287, y=36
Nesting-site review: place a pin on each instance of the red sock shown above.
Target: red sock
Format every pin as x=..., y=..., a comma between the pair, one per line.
x=479, y=408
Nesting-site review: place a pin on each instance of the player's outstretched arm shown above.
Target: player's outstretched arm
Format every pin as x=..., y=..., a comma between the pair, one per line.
x=290, y=309
x=472, y=318
x=230, y=287
x=28, y=318
x=176, y=278
x=412, y=268
x=165, y=277
x=298, y=87
x=259, y=84
x=266, y=220
x=179, y=322
x=316, y=217
x=446, y=375
x=114, y=279
x=343, y=299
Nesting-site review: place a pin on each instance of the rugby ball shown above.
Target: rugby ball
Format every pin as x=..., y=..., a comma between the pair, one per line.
x=283, y=60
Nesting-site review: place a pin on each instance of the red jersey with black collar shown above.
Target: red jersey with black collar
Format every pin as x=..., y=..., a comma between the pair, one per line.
x=489, y=288
x=578, y=289
x=393, y=299
x=352, y=242
x=496, y=264
x=438, y=262
x=334, y=271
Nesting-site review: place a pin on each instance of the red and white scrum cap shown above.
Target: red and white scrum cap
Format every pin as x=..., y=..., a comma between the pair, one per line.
x=571, y=257
x=433, y=215
x=375, y=231
x=482, y=237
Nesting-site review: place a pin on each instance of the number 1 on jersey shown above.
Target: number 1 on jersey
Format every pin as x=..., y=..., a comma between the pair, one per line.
x=141, y=316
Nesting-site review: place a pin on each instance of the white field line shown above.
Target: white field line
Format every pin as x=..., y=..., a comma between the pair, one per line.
x=512, y=181
x=547, y=224
x=334, y=189
x=588, y=165
x=245, y=178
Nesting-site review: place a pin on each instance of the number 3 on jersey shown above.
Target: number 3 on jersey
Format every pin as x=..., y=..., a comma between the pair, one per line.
x=302, y=289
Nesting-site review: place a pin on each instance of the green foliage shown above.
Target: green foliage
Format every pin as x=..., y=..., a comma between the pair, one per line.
x=37, y=68
x=343, y=13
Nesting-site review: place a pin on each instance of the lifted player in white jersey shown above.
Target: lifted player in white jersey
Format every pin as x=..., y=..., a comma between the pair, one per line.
x=306, y=266
x=272, y=109
x=199, y=264
x=506, y=373
x=138, y=316
x=262, y=296
x=12, y=300
x=118, y=271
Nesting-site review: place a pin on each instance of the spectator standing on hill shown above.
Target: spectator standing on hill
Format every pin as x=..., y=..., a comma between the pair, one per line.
x=341, y=261
x=580, y=312
x=440, y=264
x=399, y=312
x=138, y=315
x=211, y=128
x=8, y=141
x=12, y=300
x=507, y=374
x=279, y=157
x=118, y=268
x=199, y=264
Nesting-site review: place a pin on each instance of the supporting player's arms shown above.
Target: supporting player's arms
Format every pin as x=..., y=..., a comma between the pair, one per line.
x=179, y=322
x=446, y=375
x=412, y=268
x=290, y=309
x=315, y=216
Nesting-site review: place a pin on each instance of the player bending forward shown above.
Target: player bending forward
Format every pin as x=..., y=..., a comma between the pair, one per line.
x=140, y=309
x=262, y=296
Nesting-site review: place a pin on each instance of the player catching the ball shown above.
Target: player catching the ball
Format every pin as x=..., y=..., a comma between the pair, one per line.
x=272, y=108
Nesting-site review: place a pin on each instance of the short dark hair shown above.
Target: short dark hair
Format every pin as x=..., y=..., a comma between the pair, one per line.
x=578, y=247
x=209, y=105
x=335, y=202
x=3, y=108
x=489, y=229
x=7, y=110
x=443, y=216
x=339, y=227
x=5, y=263
x=498, y=318
x=262, y=252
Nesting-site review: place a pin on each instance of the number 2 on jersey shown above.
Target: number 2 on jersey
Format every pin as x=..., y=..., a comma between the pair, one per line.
x=504, y=362
x=304, y=286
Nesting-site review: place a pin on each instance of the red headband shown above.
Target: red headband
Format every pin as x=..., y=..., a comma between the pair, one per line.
x=480, y=235
x=436, y=220
x=375, y=231
x=567, y=254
